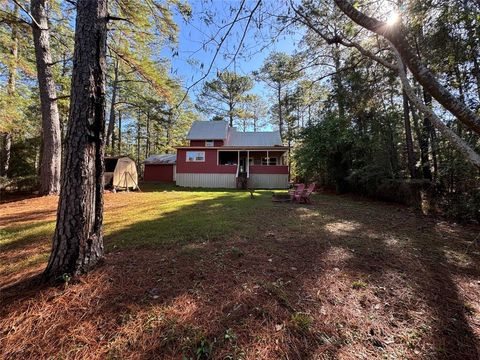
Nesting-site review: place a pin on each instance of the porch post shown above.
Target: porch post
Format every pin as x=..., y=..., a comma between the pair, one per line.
x=248, y=164
x=238, y=163
x=268, y=159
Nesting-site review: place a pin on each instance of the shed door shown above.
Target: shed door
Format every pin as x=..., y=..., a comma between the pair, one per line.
x=174, y=172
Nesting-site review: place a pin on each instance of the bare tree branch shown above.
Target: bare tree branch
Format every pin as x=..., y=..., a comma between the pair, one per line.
x=217, y=51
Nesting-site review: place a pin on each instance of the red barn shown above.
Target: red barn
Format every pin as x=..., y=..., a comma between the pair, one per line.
x=219, y=156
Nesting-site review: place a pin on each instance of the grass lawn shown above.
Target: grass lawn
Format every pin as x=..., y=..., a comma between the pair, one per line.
x=214, y=274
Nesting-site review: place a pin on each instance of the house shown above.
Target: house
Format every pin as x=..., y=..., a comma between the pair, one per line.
x=219, y=156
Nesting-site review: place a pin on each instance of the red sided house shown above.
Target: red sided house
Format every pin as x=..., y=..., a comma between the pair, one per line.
x=219, y=156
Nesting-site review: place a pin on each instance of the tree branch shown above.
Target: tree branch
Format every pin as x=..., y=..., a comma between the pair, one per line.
x=222, y=40
x=421, y=73
x=337, y=39
x=29, y=15
x=454, y=139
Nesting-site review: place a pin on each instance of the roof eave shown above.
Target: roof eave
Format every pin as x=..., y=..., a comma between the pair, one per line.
x=235, y=147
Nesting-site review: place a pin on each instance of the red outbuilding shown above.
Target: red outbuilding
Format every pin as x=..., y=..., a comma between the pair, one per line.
x=161, y=168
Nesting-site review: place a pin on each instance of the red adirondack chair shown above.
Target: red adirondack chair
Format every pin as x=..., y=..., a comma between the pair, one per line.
x=297, y=194
x=305, y=196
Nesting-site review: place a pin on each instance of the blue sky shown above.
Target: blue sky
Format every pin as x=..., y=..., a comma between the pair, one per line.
x=195, y=33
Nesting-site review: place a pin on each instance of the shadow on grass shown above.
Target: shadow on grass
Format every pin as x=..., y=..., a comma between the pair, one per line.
x=231, y=276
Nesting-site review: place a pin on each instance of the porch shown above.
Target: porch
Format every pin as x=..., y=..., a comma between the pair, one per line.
x=257, y=168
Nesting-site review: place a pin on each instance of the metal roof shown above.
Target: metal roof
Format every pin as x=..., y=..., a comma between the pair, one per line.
x=264, y=138
x=161, y=159
x=208, y=130
x=219, y=130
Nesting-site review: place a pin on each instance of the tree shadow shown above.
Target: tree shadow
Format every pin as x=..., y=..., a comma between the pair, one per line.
x=260, y=287
x=398, y=255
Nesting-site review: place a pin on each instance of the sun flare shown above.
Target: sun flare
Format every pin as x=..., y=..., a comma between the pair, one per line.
x=393, y=19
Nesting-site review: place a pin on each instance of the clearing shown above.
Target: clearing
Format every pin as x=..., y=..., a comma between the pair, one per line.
x=215, y=274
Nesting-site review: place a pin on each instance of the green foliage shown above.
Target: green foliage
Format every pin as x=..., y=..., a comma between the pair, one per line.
x=301, y=321
x=204, y=349
x=324, y=153
x=359, y=284
x=226, y=96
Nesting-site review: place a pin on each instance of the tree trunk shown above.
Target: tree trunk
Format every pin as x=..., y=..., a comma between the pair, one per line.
x=111, y=121
x=138, y=140
x=337, y=78
x=78, y=238
x=6, y=138
x=230, y=112
x=51, y=135
x=280, y=115
x=5, y=153
x=119, y=133
x=425, y=140
x=420, y=72
x=147, y=141
x=434, y=146
x=13, y=63
x=461, y=145
x=169, y=131
x=411, y=161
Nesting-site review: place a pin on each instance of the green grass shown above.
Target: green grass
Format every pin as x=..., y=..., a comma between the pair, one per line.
x=183, y=217
x=310, y=274
x=157, y=216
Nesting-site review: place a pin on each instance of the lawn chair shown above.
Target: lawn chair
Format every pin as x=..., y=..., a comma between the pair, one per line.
x=297, y=193
x=305, y=196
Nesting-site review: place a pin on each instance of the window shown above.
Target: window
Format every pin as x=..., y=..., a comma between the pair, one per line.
x=195, y=156
x=209, y=143
x=227, y=158
x=269, y=161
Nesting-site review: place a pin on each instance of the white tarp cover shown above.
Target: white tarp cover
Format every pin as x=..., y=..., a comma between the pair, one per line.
x=125, y=174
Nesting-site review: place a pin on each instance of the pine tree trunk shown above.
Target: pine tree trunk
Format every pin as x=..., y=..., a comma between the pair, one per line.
x=425, y=140
x=111, y=122
x=51, y=135
x=280, y=115
x=6, y=138
x=337, y=78
x=5, y=153
x=78, y=238
x=169, y=131
x=408, y=138
x=139, y=129
x=147, y=141
x=119, y=133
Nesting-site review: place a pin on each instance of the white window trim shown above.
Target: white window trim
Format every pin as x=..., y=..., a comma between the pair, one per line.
x=209, y=143
x=194, y=158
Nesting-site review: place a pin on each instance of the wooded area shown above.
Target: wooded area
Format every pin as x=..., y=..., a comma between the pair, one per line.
x=387, y=109
x=379, y=99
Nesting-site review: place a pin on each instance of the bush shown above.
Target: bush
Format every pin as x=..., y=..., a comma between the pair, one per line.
x=18, y=184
